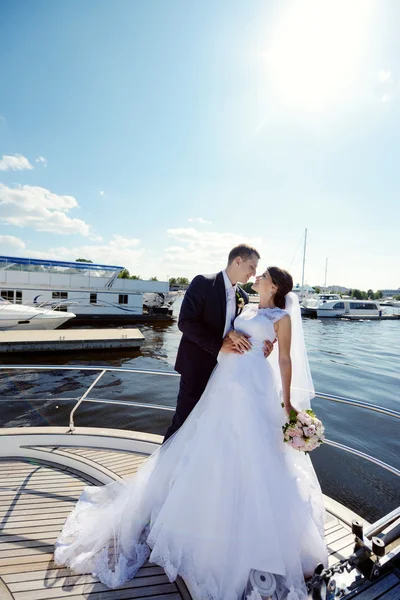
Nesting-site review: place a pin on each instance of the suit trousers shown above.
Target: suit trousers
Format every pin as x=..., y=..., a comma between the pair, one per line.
x=190, y=391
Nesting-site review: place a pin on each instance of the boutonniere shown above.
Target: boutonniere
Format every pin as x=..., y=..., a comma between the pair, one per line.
x=239, y=301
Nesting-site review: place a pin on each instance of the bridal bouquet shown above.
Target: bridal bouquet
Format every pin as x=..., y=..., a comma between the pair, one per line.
x=304, y=432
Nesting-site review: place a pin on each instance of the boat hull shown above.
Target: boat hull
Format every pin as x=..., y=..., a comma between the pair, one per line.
x=34, y=324
x=118, y=320
x=14, y=317
x=308, y=312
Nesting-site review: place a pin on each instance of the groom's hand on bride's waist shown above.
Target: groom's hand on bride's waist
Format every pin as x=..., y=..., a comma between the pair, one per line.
x=228, y=346
x=268, y=347
x=240, y=341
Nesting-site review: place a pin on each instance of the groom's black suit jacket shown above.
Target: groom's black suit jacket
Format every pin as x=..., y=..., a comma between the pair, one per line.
x=202, y=322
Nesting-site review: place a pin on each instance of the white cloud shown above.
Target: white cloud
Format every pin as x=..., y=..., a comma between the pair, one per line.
x=197, y=251
x=119, y=241
x=384, y=76
x=42, y=160
x=190, y=252
x=17, y=162
x=36, y=207
x=10, y=241
x=119, y=251
x=95, y=238
x=101, y=192
x=386, y=98
x=199, y=220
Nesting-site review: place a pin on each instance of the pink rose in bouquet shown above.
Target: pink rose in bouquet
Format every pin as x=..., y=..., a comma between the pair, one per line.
x=298, y=443
x=309, y=431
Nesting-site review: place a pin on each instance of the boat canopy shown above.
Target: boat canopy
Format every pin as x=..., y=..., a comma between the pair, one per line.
x=14, y=263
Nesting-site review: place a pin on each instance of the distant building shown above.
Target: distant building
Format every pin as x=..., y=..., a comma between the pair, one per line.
x=338, y=289
x=390, y=293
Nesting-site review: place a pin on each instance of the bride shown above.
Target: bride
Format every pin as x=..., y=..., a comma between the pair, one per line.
x=224, y=497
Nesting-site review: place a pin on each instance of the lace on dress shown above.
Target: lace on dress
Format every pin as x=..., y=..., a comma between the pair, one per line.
x=273, y=314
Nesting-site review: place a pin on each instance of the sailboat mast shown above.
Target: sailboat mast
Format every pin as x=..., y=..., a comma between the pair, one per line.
x=304, y=258
x=326, y=272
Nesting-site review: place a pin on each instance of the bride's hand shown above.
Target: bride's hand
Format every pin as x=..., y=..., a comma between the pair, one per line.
x=288, y=409
x=240, y=340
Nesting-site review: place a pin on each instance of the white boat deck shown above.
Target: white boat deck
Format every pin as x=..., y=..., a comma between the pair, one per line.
x=35, y=498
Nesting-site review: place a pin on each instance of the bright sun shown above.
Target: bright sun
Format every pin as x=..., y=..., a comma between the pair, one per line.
x=317, y=53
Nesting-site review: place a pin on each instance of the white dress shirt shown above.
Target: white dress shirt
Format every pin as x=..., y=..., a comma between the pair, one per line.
x=230, y=303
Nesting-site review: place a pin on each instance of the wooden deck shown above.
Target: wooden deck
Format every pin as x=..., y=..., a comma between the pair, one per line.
x=35, y=500
x=121, y=464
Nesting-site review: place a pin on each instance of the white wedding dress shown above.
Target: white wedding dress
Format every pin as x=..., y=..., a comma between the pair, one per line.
x=221, y=497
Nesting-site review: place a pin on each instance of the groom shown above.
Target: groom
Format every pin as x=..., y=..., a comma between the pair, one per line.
x=208, y=310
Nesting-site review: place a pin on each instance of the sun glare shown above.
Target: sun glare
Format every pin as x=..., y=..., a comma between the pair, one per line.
x=317, y=53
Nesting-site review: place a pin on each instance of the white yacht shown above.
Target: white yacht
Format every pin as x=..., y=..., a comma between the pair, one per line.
x=310, y=305
x=390, y=302
x=93, y=292
x=18, y=316
x=363, y=309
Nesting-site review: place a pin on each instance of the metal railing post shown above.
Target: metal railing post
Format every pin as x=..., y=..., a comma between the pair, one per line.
x=71, y=416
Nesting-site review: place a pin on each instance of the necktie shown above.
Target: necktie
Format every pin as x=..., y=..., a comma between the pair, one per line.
x=230, y=293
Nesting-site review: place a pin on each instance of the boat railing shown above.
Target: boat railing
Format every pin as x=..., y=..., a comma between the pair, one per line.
x=54, y=304
x=101, y=371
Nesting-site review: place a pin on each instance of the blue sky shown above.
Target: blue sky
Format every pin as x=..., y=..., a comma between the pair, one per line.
x=157, y=135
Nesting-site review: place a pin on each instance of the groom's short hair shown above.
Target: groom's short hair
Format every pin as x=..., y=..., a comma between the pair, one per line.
x=244, y=251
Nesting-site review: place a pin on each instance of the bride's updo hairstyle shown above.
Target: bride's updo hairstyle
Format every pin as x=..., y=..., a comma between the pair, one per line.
x=283, y=281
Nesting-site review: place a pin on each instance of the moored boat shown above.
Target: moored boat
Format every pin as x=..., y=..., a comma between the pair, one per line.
x=93, y=292
x=21, y=317
x=362, y=309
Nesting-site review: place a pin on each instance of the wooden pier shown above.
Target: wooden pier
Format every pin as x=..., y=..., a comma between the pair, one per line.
x=70, y=340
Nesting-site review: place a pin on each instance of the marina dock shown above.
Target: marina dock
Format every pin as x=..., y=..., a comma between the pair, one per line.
x=70, y=340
